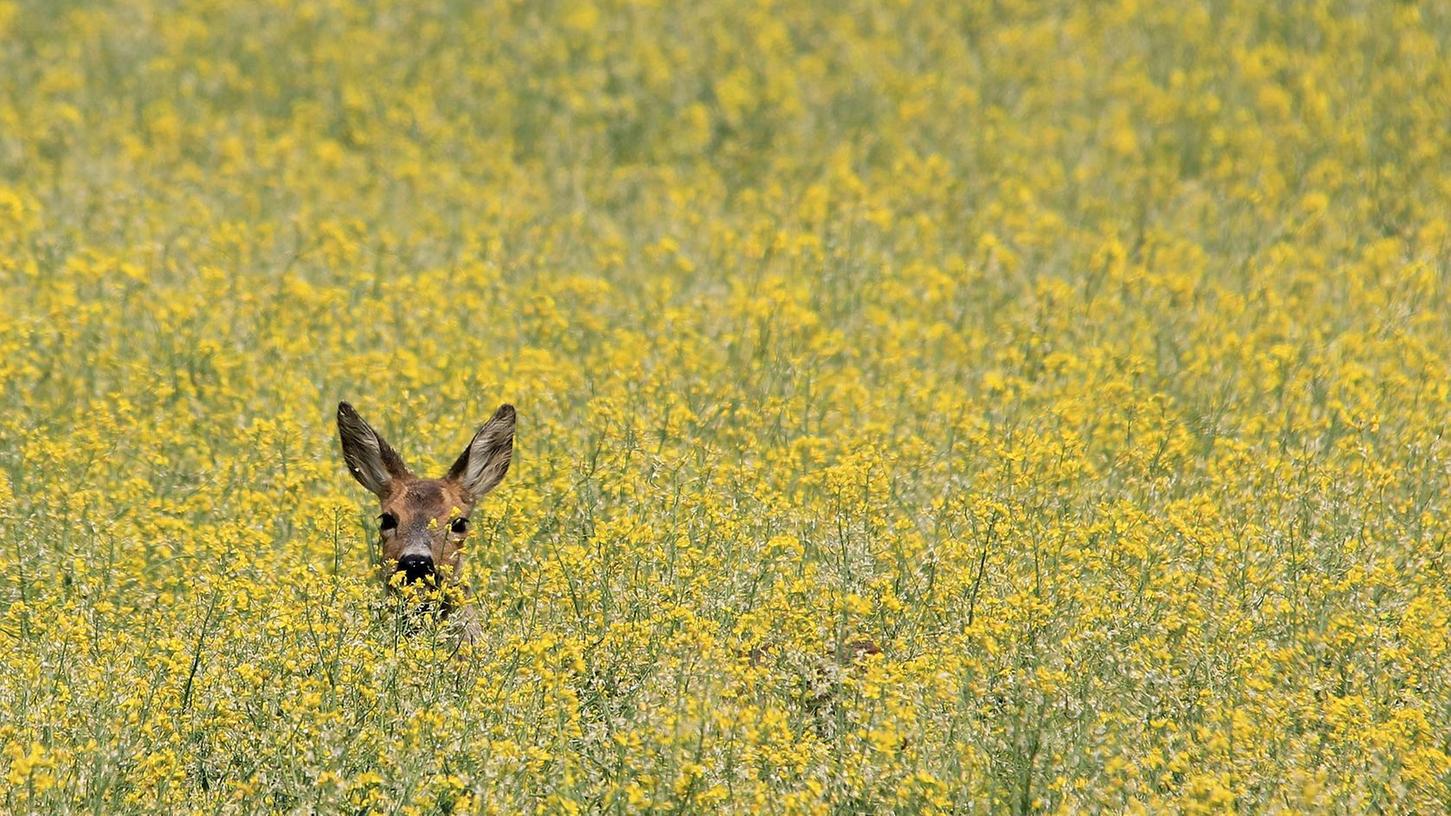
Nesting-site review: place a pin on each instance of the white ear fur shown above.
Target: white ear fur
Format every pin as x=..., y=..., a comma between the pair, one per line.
x=485, y=461
x=371, y=461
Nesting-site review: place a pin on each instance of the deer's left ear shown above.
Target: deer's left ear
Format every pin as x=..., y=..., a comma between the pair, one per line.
x=484, y=462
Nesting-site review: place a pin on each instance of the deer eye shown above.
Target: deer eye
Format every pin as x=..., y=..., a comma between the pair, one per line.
x=459, y=526
x=387, y=522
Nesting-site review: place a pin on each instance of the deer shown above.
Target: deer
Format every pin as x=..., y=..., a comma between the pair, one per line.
x=425, y=522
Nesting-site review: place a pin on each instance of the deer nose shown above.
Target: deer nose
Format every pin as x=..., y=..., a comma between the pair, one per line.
x=416, y=565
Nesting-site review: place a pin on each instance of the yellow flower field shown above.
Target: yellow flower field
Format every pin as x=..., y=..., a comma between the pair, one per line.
x=923, y=406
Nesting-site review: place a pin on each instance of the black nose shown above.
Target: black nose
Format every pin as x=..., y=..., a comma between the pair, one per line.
x=416, y=566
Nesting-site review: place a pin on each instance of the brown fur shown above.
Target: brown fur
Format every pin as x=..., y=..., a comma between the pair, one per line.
x=426, y=517
x=426, y=509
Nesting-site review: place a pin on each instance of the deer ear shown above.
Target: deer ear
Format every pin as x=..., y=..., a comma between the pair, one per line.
x=371, y=461
x=484, y=462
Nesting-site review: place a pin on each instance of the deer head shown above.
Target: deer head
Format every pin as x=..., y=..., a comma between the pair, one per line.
x=425, y=521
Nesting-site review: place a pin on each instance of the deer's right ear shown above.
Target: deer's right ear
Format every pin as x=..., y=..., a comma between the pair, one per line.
x=371, y=461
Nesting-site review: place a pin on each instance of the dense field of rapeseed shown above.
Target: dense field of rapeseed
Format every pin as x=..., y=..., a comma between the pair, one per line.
x=1089, y=359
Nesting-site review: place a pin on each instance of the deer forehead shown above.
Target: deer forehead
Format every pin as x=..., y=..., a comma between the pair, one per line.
x=427, y=497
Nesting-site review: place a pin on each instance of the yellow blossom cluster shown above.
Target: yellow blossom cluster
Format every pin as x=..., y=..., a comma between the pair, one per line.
x=924, y=407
